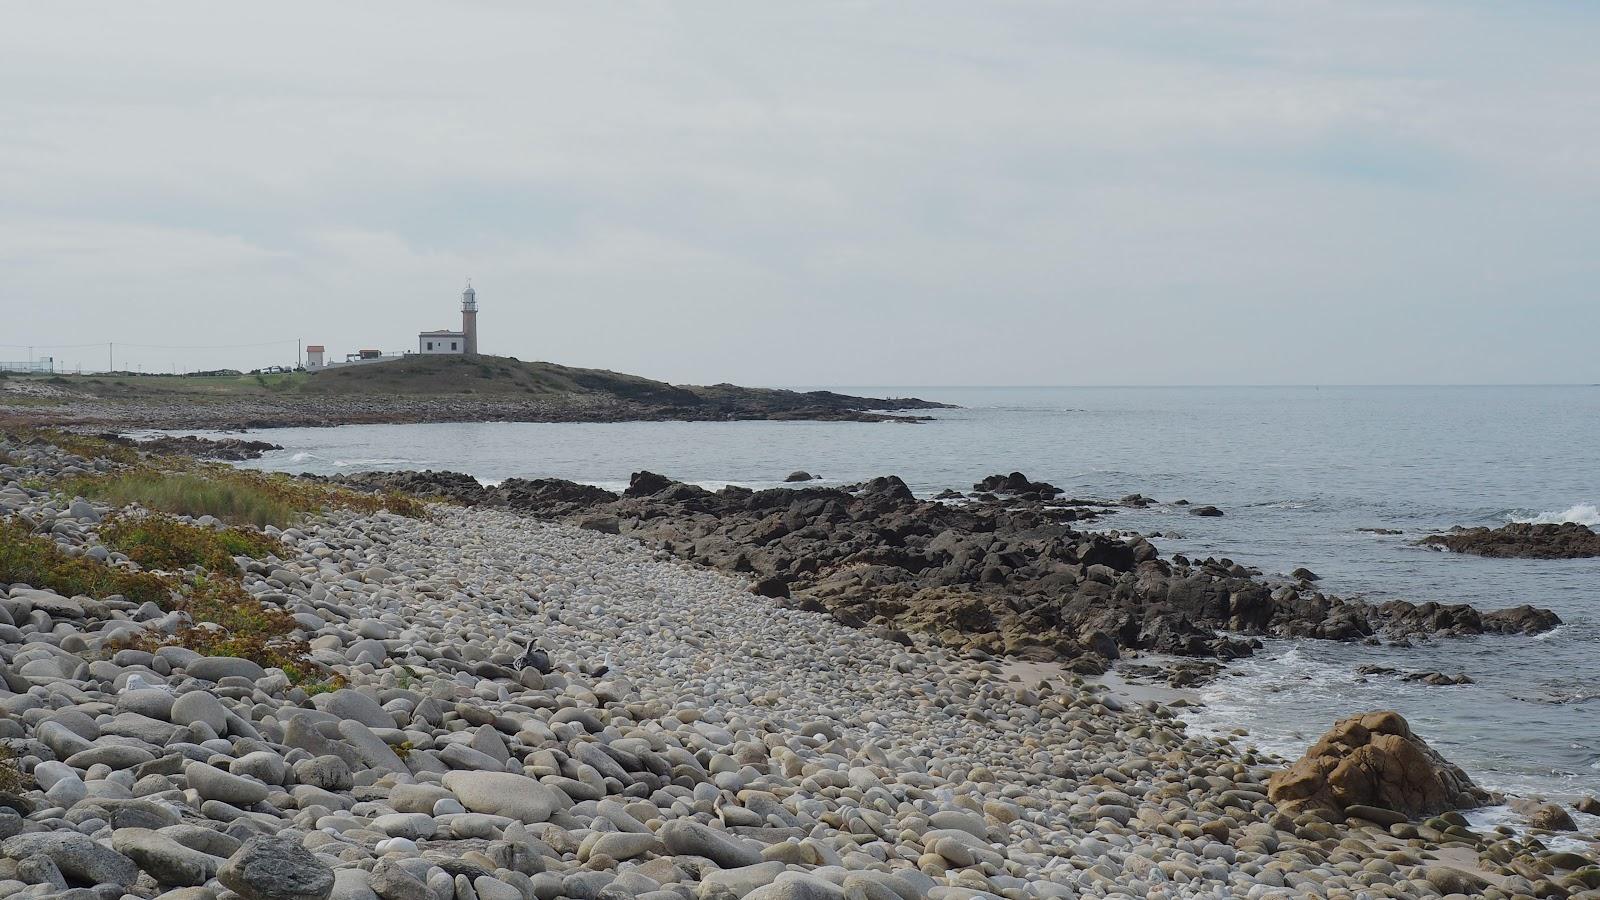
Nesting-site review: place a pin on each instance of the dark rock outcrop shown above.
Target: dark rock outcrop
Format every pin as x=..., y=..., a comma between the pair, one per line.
x=1016, y=483
x=1374, y=760
x=1520, y=540
x=800, y=475
x=230, y=449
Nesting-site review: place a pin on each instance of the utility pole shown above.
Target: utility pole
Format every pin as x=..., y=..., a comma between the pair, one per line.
x=111, y=366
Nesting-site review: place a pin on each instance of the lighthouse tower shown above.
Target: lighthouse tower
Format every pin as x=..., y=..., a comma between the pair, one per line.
x=469, y=319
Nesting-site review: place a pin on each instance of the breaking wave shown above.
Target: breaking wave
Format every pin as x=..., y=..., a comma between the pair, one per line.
x=1582, y=513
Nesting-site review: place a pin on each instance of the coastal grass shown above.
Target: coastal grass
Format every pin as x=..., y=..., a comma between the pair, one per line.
x=160, y=541
x=37, y=560
x=237, y=496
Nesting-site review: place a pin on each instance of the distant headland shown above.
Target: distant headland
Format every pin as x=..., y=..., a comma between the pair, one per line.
x=414, y=388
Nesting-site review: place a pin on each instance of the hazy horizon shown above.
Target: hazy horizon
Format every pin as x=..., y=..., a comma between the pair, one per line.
x=929, y=195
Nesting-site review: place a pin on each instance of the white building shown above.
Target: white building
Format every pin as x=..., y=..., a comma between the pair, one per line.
x=463, y=341
x=441, y=342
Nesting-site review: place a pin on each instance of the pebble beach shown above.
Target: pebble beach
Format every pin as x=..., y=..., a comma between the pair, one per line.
x=689, y=741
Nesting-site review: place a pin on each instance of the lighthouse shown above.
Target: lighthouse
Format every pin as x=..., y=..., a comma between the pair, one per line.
x=469, y=318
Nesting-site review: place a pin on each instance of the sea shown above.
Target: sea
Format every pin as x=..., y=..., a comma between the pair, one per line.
x=1306, y=476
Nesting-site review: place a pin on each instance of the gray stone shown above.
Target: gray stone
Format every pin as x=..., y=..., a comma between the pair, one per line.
x=621, y=845
x=152, y=731
x=200, y=706
x=166, y=860
x=214, y=784
x=327, y=772
x=460, y=756
x=371, y=749
x=693, y=839
x=147, y=702
x=276, y=867
x=117, y=756
x=301, y=733
x=262, y=765
x=415, y=826
x=216, y=668
x=735, y=883
x=352, y=884
x=798, y=886
x=391, y=881
x=206, y=840
x=504, y=794
x=349, y=703
x=78, y=857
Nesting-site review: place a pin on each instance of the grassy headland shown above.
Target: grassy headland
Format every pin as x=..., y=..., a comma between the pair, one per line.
x=411, y=389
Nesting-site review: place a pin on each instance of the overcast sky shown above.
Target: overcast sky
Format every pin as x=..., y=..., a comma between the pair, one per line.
x=834, y=193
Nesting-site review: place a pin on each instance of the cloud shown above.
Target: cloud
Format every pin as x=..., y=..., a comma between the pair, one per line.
x=821, y=193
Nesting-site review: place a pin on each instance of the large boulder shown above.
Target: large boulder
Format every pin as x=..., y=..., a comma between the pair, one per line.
x=276, y=867
x=504, y=794
x=1373, y=760
x=643, y=484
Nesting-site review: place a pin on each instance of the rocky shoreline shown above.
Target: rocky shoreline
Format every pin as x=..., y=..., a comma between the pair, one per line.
x=516, y=709
x=1005, y=573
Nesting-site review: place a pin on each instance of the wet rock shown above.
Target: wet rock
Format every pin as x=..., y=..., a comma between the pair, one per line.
x=1016, y=483
x=1551, y=817
x=1568, y=540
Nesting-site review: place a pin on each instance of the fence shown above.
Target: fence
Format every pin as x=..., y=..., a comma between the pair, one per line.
x=43, y=366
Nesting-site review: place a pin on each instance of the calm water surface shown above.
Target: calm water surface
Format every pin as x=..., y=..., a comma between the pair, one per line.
x=1299, y=471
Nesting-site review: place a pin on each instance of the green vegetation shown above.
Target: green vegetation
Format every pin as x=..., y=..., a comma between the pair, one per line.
x=159, y=541
x=39, y=561
x=237, y=496
x=192, y=494
x=12, y=779
x=230, y=622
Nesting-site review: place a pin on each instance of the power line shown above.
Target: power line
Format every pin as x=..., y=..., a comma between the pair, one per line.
x=158, y=346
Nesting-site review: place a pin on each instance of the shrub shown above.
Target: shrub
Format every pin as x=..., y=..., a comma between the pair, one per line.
x=227, y=621
x=159, y=541
x=37, y=560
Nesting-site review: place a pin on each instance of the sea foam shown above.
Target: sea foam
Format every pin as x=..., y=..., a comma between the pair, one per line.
x=1582, y=513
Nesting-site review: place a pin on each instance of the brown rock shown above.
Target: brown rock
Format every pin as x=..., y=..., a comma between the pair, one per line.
x=1551, y=817
x=1373, y=760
